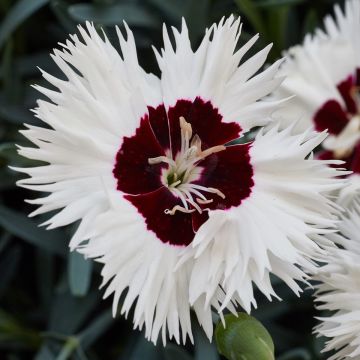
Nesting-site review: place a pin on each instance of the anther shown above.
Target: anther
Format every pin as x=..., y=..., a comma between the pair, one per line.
x=185, y=126
x=196, y=142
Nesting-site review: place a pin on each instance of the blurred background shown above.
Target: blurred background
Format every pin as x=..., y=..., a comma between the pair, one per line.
x=50, y=305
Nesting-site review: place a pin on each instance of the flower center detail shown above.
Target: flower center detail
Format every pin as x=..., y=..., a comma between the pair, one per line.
x=343, y=144
x=183, y=171
x=342, y=120
x=175, y=170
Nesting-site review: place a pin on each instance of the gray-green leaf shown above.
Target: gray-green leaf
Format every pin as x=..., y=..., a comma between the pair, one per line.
x=17, y=14
x=112, y=14
x=20, y=225
x=79, y=270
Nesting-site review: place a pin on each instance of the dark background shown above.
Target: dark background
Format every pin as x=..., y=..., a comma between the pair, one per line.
x=50, y=305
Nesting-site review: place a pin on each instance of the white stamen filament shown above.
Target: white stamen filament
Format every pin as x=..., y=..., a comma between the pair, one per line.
x=161, y=159
x=182, y=170
x=209, y=189
x=178, y=208
x=201, y=201
x=175, y=184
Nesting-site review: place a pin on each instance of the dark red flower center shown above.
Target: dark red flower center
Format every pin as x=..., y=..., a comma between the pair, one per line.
x=343, y=123
x=175, y=168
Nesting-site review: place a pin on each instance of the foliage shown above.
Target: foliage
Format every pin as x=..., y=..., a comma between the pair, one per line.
x=50, y=305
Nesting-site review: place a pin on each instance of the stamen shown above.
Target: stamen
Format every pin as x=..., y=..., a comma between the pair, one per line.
x=191, y=201
x=195, y=192
x=178, y=208
x=212, y=150
x=186, y=133
x=217, y=192
x=204, y=202
x=183, y=170
x=191, y=152
x=196, y=142
x=176, y=183
x=185, y=126
x=179, y=194
x=160, y=159
x=209, y=189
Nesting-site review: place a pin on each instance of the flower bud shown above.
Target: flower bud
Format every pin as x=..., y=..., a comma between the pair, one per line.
x=244, y=338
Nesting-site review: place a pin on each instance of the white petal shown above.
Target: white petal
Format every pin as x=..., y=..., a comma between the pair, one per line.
x=339, y=291
x=314, y=69
x=212, y=72
x=135, y=259
x=277, y=229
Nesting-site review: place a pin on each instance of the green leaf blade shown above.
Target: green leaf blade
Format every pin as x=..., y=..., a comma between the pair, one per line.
x=112, y=14
x=18, y=14
x=249, y=10
x=20, y=225
x=79, y=270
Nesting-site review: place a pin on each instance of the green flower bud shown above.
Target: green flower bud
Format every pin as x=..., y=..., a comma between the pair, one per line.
x=244, y=338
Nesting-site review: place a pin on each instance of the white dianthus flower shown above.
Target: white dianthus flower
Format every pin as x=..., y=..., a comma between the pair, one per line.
x=178, y=218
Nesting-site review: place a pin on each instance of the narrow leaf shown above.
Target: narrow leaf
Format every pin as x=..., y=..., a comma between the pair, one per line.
x=45, y=268
x=8, y=266
x=60, y=9
x=17, y=14
x=171, y=9
x=174, y=352
x=112, y=14
x=95, y=329
x=196, y=17
x=296, y=354
x=249, y=10
x=44, y=353
x=20, y=225
x=79, y=270
x=143, y=349
x=68, y=313
x=15, y=114
x=275, y=3
x=203, y=348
